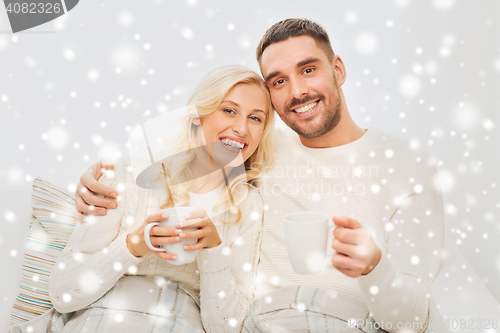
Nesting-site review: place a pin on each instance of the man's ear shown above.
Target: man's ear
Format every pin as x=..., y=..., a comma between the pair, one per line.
x=196, y=121
x=340, y=70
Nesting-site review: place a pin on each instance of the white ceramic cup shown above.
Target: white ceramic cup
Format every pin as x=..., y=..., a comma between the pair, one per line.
x=175, y=214
x=306, y=236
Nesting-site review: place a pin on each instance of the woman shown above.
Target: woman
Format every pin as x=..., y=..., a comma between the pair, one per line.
x=107, y=280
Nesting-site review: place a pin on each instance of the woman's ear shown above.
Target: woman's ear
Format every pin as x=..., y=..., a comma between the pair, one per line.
x=196, y=121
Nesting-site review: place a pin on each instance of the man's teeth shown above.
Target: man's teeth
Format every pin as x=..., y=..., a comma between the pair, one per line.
x=306, y=108
x=233, y=144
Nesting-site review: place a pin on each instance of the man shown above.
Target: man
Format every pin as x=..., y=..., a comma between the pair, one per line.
x=380, y=190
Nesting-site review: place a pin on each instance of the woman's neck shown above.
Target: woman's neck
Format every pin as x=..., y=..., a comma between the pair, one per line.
x=206, y=180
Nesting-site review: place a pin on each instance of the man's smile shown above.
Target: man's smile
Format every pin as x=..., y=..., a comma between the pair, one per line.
x=306, y=110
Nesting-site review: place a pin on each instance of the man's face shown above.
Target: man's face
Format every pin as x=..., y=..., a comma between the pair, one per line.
x=303, y=86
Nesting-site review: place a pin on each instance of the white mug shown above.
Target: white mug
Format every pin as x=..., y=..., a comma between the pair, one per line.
x=306, y=236
x=175, y=214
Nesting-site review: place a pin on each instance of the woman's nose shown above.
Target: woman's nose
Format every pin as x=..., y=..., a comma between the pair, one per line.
x=240, y=126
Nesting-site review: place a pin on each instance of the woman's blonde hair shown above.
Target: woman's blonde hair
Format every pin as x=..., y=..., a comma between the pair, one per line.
x=207, y=97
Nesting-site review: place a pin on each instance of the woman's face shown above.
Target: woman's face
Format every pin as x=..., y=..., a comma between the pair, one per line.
x=234, y=130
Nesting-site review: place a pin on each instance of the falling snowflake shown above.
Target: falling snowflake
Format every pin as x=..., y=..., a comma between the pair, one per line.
x=57, y=137
x=9, y=216
x=409, y=86
x=366, y=43
x=125, y=19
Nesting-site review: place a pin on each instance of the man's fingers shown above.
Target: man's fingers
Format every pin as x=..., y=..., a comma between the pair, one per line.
x=342, y=261
x=93, y=200
x=346, y=222
x=346, y=235
x=107, y=163
x=83, y=207
x=89, y=181
x=77, y=215
x=344, y=248
x=166, y=256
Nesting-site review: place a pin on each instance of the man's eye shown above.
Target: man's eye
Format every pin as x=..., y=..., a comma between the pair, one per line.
x=279, y=82
x=309, y=70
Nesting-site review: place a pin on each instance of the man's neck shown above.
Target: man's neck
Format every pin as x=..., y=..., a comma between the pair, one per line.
x=345, y=132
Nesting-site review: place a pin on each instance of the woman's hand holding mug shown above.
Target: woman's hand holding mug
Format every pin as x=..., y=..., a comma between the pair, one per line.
x=206, y=234
x=158, y=236
x=185, y=230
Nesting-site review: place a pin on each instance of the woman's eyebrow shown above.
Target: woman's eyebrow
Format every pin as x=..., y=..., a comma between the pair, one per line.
x=236, y=104
x=230, y=102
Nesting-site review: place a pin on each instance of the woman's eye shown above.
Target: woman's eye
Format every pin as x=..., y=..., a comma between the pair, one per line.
x=229, y=111
x=255, y=118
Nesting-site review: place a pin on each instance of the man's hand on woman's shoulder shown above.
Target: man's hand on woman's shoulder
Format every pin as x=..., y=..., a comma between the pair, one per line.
x=87, y=202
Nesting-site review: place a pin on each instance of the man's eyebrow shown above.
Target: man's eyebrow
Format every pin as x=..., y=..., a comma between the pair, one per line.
x=272, y=75
x=307, y=61
x=300, y=64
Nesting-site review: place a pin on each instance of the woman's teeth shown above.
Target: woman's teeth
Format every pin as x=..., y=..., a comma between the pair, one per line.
x=306, y=108
x=233, y=144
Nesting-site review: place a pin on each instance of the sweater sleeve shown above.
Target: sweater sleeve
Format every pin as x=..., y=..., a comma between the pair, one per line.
x=95, y=256
x=227, y=272
x=397, y=290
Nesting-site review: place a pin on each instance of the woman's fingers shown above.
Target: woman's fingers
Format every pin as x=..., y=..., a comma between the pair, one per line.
x=198, y=246
x=157, y=217
x=158, y=241
x=164, y=231
x=194, y=223
x=166, y=256
x=193, y=234
x=198, y=213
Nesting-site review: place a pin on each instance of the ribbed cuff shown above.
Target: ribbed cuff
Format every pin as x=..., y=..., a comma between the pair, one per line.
x=383, y=272
x=119, y=256
x=214, y=259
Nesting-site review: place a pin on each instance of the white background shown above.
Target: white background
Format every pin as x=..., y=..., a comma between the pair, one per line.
x=426, y=70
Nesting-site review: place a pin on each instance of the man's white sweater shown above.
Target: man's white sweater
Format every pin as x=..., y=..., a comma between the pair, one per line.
x=388, y=185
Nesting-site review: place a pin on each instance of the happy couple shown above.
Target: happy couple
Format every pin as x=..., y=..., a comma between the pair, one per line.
x=386, y=231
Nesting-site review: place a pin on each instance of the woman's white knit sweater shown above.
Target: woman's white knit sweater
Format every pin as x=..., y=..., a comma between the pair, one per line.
x=96, y=255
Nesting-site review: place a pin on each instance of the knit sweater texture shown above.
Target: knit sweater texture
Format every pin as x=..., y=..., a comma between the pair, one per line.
x=96, y=256
x=385, y=182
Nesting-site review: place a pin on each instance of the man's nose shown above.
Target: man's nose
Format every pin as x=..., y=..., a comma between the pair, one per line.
x=299, y=88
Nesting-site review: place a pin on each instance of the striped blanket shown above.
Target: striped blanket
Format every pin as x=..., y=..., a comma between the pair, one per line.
x=308, y=309
x=134, y=304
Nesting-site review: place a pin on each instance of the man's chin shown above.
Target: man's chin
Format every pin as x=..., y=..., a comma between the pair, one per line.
x=307, y=132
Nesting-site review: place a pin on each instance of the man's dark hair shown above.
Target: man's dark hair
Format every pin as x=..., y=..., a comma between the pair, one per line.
x=295, y=27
